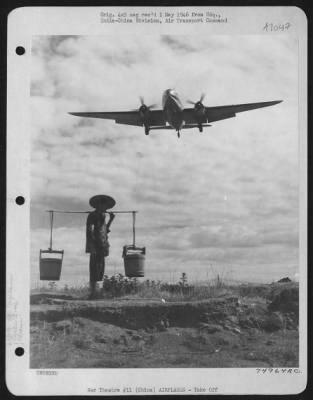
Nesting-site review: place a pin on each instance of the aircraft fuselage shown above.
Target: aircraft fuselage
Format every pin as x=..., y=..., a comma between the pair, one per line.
x=173, y=109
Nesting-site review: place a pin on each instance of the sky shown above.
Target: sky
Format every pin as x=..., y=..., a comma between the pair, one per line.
x=224, y=201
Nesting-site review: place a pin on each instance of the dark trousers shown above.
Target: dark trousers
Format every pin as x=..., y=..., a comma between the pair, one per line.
x=96, y=266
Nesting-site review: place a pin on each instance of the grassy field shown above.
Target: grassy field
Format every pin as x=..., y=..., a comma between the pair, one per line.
x=150, y=324
x=119, y=286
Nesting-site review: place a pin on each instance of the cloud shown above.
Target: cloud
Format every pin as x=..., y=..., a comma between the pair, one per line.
x=236, y=235
x=177, y=44
x=227, y=196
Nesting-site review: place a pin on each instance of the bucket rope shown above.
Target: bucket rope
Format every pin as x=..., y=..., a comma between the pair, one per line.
x=134, y=230
x=51, y=226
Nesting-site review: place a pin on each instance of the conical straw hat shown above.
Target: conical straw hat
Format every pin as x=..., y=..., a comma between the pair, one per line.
x=108, y=201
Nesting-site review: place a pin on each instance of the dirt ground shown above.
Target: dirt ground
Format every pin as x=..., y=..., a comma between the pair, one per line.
x=227, y=331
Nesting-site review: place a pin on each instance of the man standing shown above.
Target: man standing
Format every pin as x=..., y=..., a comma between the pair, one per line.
x=97, y=243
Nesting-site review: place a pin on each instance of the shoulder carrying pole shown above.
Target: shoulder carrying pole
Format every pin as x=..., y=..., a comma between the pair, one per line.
x=133, y=212
x=88, y=212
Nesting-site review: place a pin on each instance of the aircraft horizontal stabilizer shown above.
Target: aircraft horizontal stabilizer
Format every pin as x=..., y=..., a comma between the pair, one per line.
x=189, y=126
x=161, y=127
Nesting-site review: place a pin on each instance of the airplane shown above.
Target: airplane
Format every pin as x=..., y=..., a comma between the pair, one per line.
x=174, y=115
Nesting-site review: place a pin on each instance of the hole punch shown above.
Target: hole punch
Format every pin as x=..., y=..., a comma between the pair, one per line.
x=20, y=200
x=19, y=351
x=20, y=50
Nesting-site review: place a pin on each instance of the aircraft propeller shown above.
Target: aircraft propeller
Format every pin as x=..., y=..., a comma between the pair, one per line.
x=199, y=102
x=144, y=112
x=199, y=111
x=143, y=106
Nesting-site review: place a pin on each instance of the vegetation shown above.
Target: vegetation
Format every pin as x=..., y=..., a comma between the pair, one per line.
x=118, y=286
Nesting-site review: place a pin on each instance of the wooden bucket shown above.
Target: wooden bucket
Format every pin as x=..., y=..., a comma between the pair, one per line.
x=134, y=261
x=50, y=264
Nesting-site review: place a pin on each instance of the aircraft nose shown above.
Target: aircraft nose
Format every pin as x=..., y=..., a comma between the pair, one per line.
x=166, y=95
x=169, y=92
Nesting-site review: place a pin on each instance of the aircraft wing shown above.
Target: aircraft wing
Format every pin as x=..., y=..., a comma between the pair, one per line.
x=213, y=114
x=125, y=117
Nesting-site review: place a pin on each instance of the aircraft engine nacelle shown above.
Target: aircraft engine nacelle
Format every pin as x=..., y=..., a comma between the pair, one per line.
x=144, y=113
x=200, y=111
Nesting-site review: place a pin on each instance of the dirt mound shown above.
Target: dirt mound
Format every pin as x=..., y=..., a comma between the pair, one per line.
x=272, y=322
x=212, y=315
x=284, y=280
x=139, y=315
x=229, y=331
x=85, y=343
x=285, y=300
x=49, y=298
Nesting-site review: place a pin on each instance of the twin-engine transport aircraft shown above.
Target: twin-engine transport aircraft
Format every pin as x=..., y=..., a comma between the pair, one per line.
x=174, y=115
